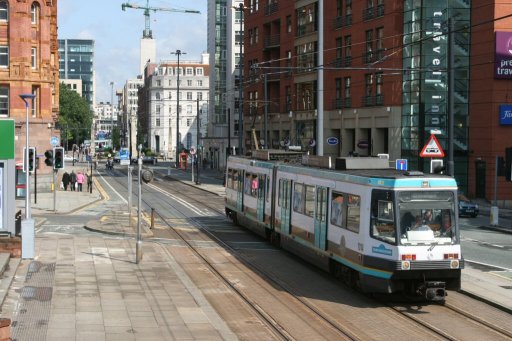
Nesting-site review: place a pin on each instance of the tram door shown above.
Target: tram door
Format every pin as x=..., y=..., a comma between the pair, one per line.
x=240, y=192
x=286, y=205
x=260, y=206
x=321, y=218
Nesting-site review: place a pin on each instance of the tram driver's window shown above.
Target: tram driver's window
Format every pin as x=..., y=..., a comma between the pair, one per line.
x=337, y=209
x=298, y=200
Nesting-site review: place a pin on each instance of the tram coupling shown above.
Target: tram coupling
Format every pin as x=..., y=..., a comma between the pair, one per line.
x=432, y=290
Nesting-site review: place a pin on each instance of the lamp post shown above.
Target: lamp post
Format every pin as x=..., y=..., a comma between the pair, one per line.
x=27, y=226
x=240, y=80
x=178, y=53
x=112, y=114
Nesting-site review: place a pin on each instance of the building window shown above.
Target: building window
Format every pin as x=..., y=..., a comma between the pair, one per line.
x=34, y=58
x=158, y=109
x=348, y=95
x=189, y=82
x=189, y=122
x=190, y=71
x=369, y=56
x=189, y=95
x=379, y=43
x=157, y=96
x=199, y=71
x=379, y=100
x=4, y=56
x=200, y=96
x=158, y=82
x=4, y=11
x=189, y=140
x=4, y=101
x=158, y=122
x=256, y=35
x=35, y=101
x=289, y=24
x=338, y=83
x=189, y=109
x=34, y=11
x=348, y=50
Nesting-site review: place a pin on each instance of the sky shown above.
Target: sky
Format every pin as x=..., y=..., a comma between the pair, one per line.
x=117, y=35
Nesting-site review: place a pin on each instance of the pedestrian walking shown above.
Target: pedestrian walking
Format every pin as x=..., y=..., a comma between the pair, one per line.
x=65, y=180
x=80, y=180
x=72, y=178
x=89, y=182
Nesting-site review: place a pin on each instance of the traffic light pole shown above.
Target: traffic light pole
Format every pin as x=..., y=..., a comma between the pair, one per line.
x=54, y=192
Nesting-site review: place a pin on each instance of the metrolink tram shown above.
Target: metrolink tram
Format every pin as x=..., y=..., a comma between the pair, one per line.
x=381, y=230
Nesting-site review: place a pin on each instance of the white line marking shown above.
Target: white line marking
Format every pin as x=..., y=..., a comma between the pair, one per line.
x=112, y=188
x=181, y=201
x=486, y=264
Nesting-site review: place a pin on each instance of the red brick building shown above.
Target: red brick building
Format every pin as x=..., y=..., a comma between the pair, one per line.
x=489, y=133
x=29, y=64
x=358, y=100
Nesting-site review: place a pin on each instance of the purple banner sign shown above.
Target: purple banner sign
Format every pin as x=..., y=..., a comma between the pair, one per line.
x=503, y=55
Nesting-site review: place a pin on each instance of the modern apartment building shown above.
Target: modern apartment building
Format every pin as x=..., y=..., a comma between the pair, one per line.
x=28, y=65
x=158, y=105
x=225, y=46
x=347, y=77
x=76, y=61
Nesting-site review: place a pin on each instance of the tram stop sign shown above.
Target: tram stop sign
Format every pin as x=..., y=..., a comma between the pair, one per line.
x=192, y=150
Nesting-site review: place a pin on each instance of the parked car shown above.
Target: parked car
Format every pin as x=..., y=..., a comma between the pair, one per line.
x=117, y=158
x=467, y=207
x=69, y=158
x=149, y=159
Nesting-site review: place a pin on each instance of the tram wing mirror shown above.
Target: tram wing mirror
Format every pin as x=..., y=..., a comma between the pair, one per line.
x=147, y=176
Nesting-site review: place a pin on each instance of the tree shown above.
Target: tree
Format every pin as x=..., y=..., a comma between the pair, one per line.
x=116, y=138
x=75, y=117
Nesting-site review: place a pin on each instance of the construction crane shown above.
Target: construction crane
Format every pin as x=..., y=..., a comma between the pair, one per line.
x=147, y=31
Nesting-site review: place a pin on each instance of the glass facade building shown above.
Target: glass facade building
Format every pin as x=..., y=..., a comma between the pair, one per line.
x=76, y=61
x=425, y=109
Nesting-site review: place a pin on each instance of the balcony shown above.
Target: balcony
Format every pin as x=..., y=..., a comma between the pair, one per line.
x=341, y=103
x=342, y=21
x=342, y=62
x=272, y=41
x=373, y=12
x=271, y=8
x=371, y=101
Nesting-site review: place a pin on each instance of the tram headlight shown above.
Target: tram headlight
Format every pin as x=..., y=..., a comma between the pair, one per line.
x=454, y=264
x=406, y=265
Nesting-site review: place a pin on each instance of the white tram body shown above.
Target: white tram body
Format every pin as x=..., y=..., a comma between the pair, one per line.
x=379, y=229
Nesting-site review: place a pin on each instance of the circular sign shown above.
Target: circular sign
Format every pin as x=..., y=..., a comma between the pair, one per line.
x=363, y=144
x=312, y=142
x=54, y=141
x=332, y=140
x=192, y=150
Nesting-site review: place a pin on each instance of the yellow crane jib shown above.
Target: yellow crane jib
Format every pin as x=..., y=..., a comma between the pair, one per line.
x=147, y=30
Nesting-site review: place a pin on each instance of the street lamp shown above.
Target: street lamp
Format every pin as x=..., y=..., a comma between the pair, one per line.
x=178, y=53
x=112, y=114
x=27, y=226
x=240, y=80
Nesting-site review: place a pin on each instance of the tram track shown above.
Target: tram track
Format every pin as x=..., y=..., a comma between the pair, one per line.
x=443, y=333
x=266, y=317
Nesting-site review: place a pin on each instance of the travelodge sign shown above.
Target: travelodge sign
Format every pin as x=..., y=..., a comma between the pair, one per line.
x=503, y=55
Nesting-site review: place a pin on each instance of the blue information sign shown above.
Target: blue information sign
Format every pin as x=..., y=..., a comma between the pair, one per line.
x=401, y=164
x=124, y=154
x=505, y=114
x=54, y=141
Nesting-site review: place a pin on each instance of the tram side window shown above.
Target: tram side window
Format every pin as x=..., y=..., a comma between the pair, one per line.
x=280, y=192
x=310, y=201
x=383, y=226
x=298, y=200
x=247, y=183
x=353, y=212
x=267, y=188
x=229, y=182
x=337, y=209
x=255, y=185
x=235, y=180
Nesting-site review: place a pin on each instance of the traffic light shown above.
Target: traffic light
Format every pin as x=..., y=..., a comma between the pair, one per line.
x=508, y=164
x=31, y=159
x=58, y=158
x=48, y=157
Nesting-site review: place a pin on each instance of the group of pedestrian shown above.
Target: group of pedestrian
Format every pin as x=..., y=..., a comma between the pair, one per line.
x=76, y=180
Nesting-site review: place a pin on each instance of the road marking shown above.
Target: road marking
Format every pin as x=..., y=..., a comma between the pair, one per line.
x=489, y=265
x=112, y=188
x=484, y=243
x=181, y=201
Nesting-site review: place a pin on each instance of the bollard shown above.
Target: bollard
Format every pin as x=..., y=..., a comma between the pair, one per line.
x=152, y=218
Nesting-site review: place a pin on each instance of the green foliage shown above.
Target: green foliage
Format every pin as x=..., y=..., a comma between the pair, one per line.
x=116, y=138
x=75, y=117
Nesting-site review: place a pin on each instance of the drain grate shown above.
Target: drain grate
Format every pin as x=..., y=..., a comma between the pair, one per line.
x=30, y=320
